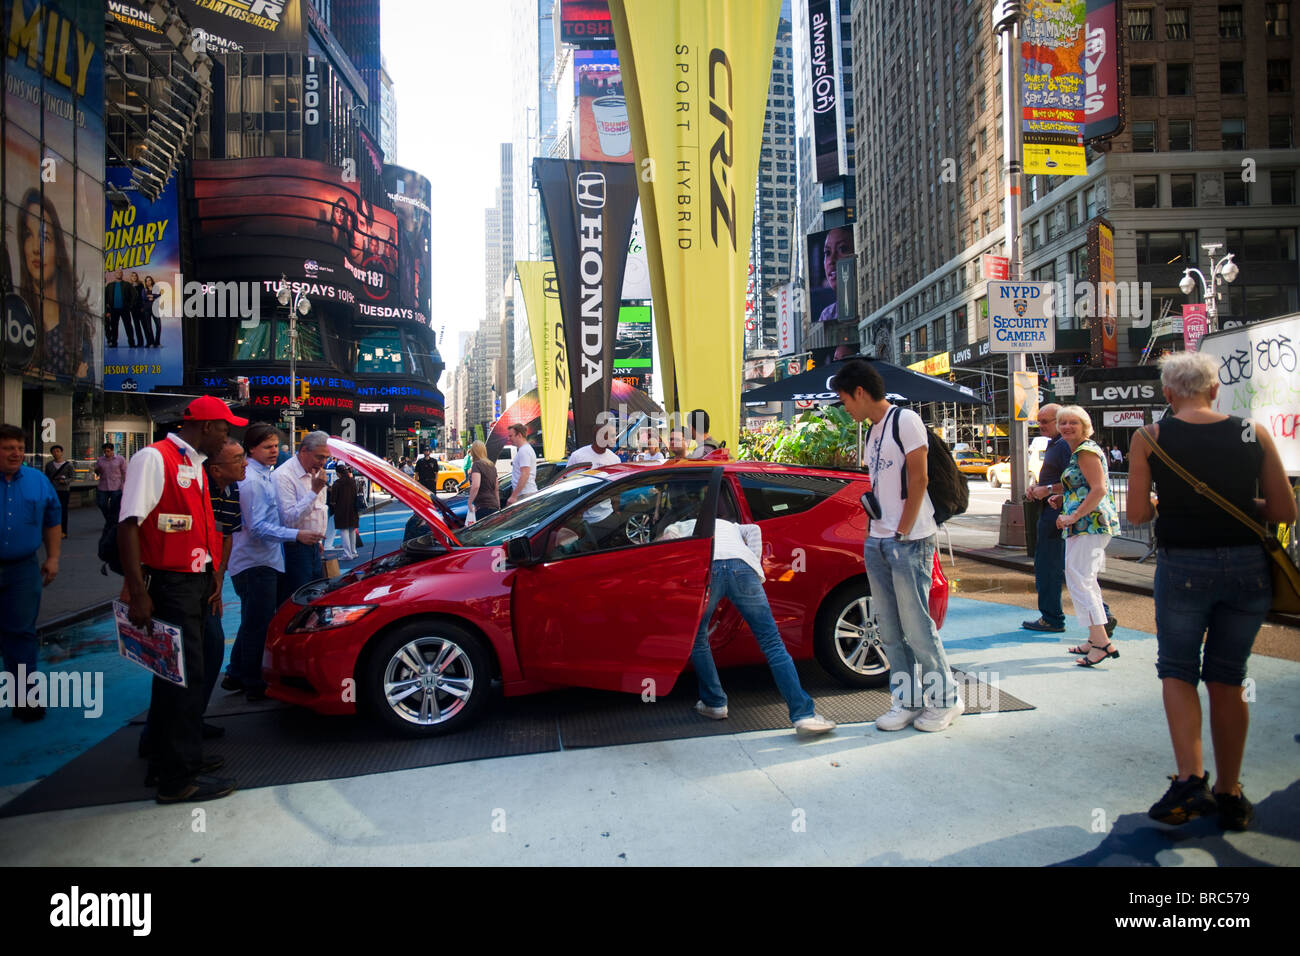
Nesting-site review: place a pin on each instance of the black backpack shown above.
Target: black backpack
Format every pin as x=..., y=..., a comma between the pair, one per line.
x=947, y=486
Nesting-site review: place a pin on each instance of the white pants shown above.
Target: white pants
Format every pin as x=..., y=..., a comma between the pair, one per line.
x=349, y=536
x=1085, y=556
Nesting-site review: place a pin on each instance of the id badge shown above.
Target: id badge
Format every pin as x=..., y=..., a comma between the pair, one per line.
x=171, y=524
x=185, y=474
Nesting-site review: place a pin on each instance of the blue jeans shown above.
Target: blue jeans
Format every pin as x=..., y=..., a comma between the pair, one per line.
x=1219, y=594
x=258, y=590
x=20, y=596
x=1049, y=568
x=900, y=574
x=302, y=565
x=734, y=579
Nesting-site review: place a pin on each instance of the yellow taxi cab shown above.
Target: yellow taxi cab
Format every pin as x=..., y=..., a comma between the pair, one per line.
x=451, y=476
x=972, y=462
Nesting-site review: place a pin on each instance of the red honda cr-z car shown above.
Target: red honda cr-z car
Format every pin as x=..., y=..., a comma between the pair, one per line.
x=577, y=586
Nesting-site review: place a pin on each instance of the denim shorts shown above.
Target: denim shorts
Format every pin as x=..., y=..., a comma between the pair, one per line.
x=1221, y=595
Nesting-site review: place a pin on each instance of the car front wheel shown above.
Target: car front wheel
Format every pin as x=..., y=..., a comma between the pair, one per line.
x=847, y=642
x=451, y=486
x=427, y=678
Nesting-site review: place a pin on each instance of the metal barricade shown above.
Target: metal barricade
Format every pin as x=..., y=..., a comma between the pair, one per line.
x=1144, y=533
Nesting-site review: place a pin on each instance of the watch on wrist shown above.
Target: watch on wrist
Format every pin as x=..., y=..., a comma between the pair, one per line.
x=899, y=536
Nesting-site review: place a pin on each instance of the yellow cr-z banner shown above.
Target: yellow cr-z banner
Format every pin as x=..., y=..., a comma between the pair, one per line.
x=541, y=297
x=695, y=76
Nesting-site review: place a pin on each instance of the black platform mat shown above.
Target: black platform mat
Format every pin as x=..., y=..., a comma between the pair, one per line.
x=271, y=744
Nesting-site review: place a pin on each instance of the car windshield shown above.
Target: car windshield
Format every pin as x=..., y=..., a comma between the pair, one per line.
x=528, y=516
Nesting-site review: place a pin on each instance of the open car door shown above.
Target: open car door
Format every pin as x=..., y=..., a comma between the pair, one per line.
x=616, y=599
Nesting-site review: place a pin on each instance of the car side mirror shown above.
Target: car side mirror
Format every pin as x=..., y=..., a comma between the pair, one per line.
x=520, y=550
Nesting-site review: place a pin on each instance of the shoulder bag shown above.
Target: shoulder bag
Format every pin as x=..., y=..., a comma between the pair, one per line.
x=1286, y=577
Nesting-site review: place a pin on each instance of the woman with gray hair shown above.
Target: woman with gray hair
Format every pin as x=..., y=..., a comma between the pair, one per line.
x=1212, y=584
x=1089, y=518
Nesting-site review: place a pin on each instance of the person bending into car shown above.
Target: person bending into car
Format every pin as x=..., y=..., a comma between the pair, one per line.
x=899, y=555
x=737, y=574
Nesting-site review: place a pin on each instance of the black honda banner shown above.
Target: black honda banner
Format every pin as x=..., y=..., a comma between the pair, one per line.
x=589, y=208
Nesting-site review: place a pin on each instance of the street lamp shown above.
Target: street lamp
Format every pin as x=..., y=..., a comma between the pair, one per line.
x=298, y=304
x=1224, y=269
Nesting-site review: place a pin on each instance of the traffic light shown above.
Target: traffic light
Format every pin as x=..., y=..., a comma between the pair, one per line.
x=416, y=425
x=306, y=391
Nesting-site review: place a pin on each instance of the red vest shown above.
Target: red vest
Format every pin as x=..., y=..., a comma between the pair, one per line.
x=182, y=551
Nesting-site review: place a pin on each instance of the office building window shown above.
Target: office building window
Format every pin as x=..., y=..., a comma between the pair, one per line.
x=1231, y=77
x=1236, y=192
x=1180, y=135
x=1178, y=79
x=905, y=345
x=1279, y=132
x=1282, y=187
x=1177, y=24
x=1261, y=245
x=922, y=340
x=1182, y=189
x=959, y=326
x=1079, y=263
x=939, y=334
x=1144, y=136
x=1279, y=76
x=1090, y=202
x=1234, y=133
x=1166, y=248
x=1146, y=192
x=1277, y=19
x=1230, y=21
x=1072, y=210
x=1139, y=24
x=1045, y=273
x=1142, y=79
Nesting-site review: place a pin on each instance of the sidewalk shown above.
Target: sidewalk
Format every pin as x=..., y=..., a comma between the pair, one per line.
x=80, y=591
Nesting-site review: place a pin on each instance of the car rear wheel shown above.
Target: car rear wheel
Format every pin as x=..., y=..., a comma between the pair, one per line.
x=427, y=678
x=451, y=486
x=847, y=642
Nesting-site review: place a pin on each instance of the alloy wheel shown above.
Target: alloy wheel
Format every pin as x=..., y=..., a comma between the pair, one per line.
x=857, y=639
x=428, y=681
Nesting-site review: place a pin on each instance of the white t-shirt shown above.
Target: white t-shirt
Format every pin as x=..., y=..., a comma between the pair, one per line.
x=884, y=460
x=587, y=455
x=730, y=540
x=525, y=457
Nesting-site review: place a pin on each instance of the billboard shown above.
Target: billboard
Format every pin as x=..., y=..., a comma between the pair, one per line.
x=259, y=218
x=603, y=132
x=829, y=152
x=53, y=193
x=586, y=23
x=142, y=319
x=699, y=220
x=223, y=26
x=1052, y=83
x=1103, y=105
x=825, y=250
x=589, y=209
x=411, y=197
x=634, y=348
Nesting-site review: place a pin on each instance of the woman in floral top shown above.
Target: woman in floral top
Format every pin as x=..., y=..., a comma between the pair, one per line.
x=1089, y=518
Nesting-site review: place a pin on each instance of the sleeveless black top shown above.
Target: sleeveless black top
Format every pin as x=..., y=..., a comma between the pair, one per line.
x=1220, y=454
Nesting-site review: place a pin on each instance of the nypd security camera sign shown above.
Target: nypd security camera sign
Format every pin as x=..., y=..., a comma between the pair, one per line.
x=1022, y=316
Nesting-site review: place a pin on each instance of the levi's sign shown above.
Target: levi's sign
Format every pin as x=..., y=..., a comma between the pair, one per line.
x=1022, y=317
x=1121, y=393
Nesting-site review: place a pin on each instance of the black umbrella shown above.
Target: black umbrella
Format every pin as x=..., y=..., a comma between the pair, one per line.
x=901, y=385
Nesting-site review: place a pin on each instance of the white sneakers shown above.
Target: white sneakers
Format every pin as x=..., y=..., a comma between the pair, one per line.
x=938, y=718
x=716, y=713
x=898, y=717
x=811, y=726
x=929, y=719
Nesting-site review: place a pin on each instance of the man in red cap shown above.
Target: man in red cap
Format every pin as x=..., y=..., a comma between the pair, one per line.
x=170, y=550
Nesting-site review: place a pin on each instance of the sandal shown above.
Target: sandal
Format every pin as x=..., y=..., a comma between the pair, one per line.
x=1107, y=652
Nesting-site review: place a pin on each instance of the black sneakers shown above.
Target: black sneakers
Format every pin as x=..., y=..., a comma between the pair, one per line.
x=1042, y=625
x=1184, y=800
x=203, y=787
x=1235, y=812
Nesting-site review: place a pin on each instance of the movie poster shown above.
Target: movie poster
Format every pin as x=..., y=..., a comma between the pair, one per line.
x=142, y=314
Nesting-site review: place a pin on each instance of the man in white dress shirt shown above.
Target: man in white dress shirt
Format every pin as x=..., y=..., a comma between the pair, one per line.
x=300, y=493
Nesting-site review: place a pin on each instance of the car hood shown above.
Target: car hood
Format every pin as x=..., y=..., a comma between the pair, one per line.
x=404, y=488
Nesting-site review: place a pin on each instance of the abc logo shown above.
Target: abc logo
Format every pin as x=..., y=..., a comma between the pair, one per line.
x=19, y=342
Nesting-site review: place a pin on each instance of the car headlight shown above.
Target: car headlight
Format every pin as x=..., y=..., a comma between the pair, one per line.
x=321, y=617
